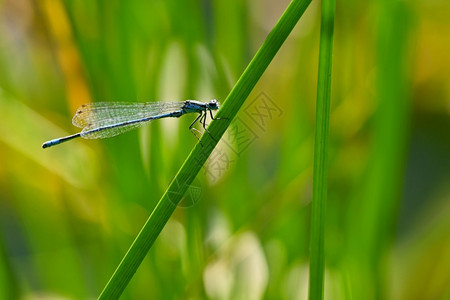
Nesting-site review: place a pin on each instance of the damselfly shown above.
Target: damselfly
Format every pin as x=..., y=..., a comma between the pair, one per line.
x=107, y=119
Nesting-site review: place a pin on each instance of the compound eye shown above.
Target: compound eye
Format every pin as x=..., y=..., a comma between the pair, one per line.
x=213, y=103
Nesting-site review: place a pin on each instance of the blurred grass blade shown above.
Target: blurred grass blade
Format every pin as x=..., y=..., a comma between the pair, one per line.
x=317, y=257
x=199, y=154
x=370, y=239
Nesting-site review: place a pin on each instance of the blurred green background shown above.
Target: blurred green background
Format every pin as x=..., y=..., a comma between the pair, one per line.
x=68, y=214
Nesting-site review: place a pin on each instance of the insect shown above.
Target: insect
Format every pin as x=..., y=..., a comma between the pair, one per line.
x=107, y=119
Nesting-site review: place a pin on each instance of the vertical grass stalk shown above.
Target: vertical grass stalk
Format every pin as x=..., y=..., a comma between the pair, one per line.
x=317, y=256
x=200, y=154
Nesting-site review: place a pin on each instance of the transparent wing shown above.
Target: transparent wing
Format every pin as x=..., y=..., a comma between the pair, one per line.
x=90, y=133
x=108, y=119
x=108, y=113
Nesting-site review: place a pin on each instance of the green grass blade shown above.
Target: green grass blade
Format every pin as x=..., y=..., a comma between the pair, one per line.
x=370, y=238
x=199, y=154
x=317, y=256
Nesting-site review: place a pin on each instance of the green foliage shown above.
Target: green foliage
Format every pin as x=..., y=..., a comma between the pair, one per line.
x=197, y=158
x=243, y=228
x=320, y=176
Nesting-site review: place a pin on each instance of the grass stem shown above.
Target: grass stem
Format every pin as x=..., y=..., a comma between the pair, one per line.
x=317, y=255
x=199, y=154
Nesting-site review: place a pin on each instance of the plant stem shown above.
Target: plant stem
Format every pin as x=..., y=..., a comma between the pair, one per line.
x=201, y=152
x=317, y=256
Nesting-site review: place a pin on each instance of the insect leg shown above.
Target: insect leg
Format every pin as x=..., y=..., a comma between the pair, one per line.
x=212, y=117
x=193, y=123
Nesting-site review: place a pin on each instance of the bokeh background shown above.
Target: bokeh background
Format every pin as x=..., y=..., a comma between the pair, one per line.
x=68, y=214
